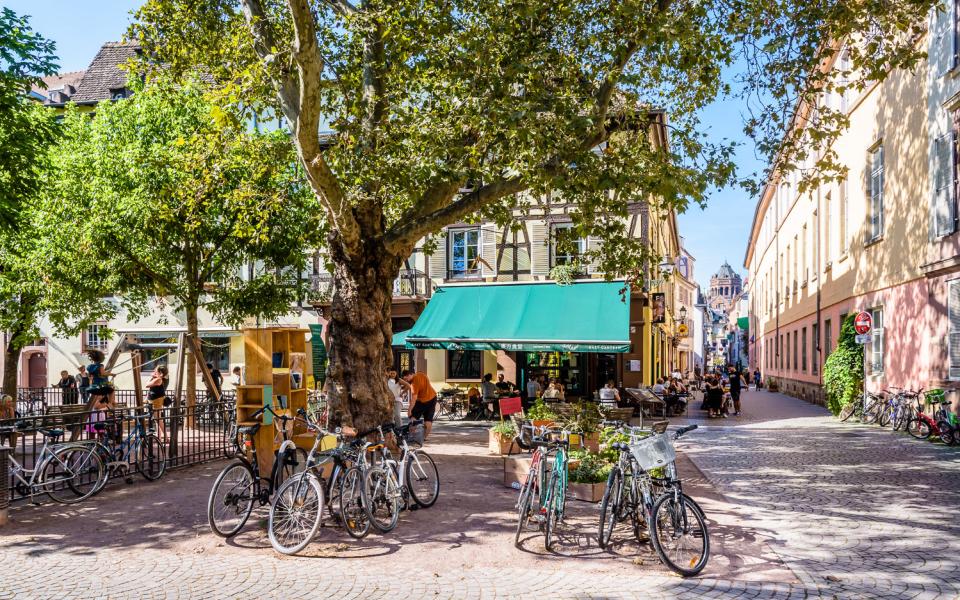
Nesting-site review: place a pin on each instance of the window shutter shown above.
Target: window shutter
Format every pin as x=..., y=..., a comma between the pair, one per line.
x=593, y=245
x=540, y=248
x=437, y=262
x=953, y=310
x=489, y=238
x=522, y=249
x=943, y=206
x=944, y=40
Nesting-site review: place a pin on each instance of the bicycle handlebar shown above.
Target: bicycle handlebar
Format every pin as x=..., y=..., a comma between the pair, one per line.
x=683, y=430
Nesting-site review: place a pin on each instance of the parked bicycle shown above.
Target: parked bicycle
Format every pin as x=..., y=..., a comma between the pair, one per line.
x=542, y=500
x=867, y=408
x=67, y=473
x=30, y=405
x=240, y=484
x=141, y=450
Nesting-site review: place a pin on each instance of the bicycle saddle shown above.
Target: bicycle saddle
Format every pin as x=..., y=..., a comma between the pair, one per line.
x=248, y=429
x=53, y=434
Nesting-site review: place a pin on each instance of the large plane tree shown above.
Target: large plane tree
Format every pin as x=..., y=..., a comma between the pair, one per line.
x=510, y=99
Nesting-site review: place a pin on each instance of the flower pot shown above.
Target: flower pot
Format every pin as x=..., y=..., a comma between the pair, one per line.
x=543, y=422
x=501, y=444
x=588, y=492
x=591, y=441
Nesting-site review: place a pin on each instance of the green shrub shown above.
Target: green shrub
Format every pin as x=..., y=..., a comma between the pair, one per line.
x=506, y=429
x=843, y=370
x=592, y=468
x=584, y=419
x=541, y=412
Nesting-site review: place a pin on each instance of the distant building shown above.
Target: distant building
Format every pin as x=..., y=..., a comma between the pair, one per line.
x=725, y=285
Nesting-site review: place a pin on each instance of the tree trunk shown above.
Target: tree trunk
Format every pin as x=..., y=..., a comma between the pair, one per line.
x=191, y=366
x=11, y=363
x=360, y=336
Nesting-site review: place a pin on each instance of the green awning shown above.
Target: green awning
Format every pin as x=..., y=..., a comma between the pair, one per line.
x=400, y=338
x=532, y=317
x=743, y=323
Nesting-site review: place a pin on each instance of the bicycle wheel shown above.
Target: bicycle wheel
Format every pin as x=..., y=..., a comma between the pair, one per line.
x=870, y=414
x=151, y=457
x=883, y=419
x=523, y=508
x=295, y=513
x=947, y=434
x=423, y=479
x=381, y=498
x=354, y=516
x=72, y=474
x=899, y=418
x=918, y=428
x=231, y=499
x=610, y=506
x=678, y=531
x=847, y=411
x=554, y=509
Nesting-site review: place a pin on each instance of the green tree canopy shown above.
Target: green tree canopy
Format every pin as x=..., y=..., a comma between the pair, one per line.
x=515, y=101
x=167, y=195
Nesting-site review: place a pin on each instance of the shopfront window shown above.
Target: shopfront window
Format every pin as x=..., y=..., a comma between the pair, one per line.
x=569, y=368
x=464, y=364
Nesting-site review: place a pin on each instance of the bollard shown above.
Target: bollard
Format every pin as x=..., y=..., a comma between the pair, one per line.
x=4, y=484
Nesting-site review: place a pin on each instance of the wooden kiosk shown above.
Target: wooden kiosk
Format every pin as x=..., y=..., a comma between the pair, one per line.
x=276, y=370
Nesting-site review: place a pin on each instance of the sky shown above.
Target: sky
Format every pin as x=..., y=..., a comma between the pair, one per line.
x=712, y=235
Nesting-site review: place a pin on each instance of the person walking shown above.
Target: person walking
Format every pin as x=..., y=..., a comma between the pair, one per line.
x=68, y=387
x=157, y=396
x=714, y=394
x=83, y=383
x=736, y=384
x=758, y=382
x=423, y=399
x=399, y=389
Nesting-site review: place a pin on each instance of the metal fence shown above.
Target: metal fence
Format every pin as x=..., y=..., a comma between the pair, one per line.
x=191, y=434
x=32, y=401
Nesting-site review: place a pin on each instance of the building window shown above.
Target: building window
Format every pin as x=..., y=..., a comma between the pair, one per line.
x=953, y=341
x=876, y=193
x=95, y=338
x=843, y=216
x=464, y=364
x=827, y=338
x=565, y=248
x=464, y=253
x=845, y=83
x=876, y=345
x=795, y=350
x=787, y=352
x=155, y=357
x=216, y=351
x=803, y=346
x=814, y=353
x=945, y=180
x=827, y=255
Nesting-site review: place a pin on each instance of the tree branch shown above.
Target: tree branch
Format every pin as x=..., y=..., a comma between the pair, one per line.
x=374, y=99
x=266, y=48
x=306, y=131
x=342, y=7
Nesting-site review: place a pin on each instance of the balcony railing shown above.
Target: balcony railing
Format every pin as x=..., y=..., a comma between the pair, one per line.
x=410, y=283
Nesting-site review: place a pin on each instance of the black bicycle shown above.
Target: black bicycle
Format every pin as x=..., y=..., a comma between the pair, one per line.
x=240, y=485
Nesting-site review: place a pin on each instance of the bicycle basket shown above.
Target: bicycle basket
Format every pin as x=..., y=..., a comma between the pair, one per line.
x=653, y=452
x=415, y=434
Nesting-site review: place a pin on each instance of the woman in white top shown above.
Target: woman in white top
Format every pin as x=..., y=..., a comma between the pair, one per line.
x=609, y=395
x=552, y=392
x=398, y=390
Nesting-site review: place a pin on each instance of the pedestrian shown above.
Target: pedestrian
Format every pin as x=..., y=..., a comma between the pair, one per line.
x=610, y=395
x=99, y=377
x=83, y=383
x=68, y=387
x=533, y=389
x=736, y=384
x=714, y=395
x=399, y=388
x=217, y=378
x=423, y=399
x=237, y=377
x=757, y=380
x=157, y=396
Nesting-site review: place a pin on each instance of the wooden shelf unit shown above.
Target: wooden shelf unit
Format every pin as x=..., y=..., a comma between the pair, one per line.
x=271, y=354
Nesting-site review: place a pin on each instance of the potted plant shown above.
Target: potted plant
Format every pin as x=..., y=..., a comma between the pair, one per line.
x=588, y=475
x=501, y=437
x=772, y=385
x=541, y=415
x=584, y=424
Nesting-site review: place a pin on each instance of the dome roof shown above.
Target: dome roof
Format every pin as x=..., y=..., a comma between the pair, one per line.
x=726, y=272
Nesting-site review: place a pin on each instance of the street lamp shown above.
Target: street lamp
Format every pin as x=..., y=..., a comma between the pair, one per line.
x=683, y=314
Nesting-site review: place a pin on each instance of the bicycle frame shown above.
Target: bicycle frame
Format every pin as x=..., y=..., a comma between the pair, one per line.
x=46, y=455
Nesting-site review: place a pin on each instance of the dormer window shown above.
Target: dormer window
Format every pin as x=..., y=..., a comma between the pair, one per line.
x=120, y=93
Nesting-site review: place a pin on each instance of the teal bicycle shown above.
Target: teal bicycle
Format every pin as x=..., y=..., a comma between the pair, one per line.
x=543, y=500
x=140, y=450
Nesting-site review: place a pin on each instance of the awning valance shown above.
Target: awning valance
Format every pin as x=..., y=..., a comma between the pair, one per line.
x=581, y=317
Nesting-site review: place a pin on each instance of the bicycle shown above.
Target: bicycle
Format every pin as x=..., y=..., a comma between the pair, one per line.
x=30, y=406
x=675, y=523
x=387, y=482
x=867, y=408
x=141, y=448
x=550, y=494
x=240, y=484
x=58, y=468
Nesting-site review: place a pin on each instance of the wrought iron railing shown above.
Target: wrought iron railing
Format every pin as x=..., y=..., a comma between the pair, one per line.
x=410, y=283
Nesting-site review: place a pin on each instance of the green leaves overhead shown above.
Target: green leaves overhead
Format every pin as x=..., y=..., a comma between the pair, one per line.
x=169, y=194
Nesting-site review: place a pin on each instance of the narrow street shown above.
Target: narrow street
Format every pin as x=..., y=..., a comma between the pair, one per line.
x=799, y=506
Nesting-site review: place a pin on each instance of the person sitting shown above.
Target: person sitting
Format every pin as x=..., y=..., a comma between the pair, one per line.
x=552, y=392
x=610, y=395
x=490, y=395
x=503, y=385
x=659, y=389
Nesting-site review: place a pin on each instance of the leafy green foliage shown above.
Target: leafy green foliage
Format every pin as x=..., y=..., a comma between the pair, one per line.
x=843, y=369
x=590, y=468
x=166, y=194
x=585, y=418
x=26, y=129
x=506, y=429
x=541, y=412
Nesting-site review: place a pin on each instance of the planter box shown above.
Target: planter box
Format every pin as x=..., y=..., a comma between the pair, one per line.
x=543, y=422
x=498, y=444
x=515, y=469
x=588, y=492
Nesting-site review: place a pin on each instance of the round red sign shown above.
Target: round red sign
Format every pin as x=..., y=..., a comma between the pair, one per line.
x=863, y=323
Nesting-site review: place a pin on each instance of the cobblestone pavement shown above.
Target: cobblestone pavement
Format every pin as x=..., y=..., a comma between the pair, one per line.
x=799, y=506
